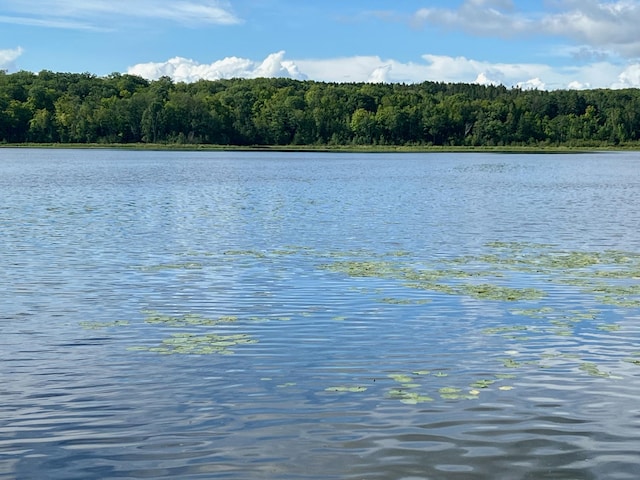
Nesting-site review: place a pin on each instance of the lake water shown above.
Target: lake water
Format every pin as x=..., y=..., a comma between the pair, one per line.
x=313, y=316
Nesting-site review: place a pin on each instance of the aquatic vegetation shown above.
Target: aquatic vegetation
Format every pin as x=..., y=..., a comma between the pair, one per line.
x=101, y=325
x=172, y=266
x=450, y=393
x=505, y=329
x=504, y=273
x=403, y=301
x=186, y=320
x=191, y=344
x=346, y=389
x=533, y=312
x=400, y=378
x=354, y=268
x=435, y=287
x=511, y=363
x=410, y=398
x=484, y=383
x=593, y=370
x=245, y=253
x=610, y=327
x=487, y=291
x=620, y=302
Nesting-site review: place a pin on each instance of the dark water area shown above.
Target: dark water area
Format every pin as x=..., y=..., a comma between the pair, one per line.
x=207, y=315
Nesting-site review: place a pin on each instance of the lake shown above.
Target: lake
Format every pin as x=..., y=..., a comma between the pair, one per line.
x=244, y=315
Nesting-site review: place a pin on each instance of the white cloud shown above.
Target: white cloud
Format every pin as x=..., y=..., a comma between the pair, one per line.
x=575, y=85
x=380, y=74
x=601, y=25
x=532, y=84
x=103, y=14
x=483, y=79
x=8, y=57
x=276, y=66
x=629, y=78
x=186, y=70
x=439, y=68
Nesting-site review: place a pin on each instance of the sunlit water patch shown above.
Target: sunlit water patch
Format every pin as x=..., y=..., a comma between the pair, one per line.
x=216, y=315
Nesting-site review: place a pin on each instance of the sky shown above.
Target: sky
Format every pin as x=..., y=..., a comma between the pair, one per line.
x=543, y=44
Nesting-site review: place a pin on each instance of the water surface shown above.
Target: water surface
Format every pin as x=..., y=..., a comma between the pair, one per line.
x=310, y=315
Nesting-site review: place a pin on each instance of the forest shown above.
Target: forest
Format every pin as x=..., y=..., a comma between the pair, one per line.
x=49, y=107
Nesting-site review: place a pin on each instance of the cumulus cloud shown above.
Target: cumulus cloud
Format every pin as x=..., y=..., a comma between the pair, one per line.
x=187, y=70
x=380, y=75
x=600, y=25
x=575, y=85
x=439, y=68
x=8, y=58
x=102, y=14
x=629, y=78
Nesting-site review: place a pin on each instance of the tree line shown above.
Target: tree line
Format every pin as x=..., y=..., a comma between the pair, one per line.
x=50, y=107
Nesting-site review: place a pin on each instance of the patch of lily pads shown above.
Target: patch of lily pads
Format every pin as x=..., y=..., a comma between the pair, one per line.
x=407, y=387
x=192, y=344
x=186, y=320
x=521, y=274
x=188, y=342
x=101, y=325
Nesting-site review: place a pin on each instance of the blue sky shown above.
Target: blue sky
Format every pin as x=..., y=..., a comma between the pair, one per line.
x=545, y=44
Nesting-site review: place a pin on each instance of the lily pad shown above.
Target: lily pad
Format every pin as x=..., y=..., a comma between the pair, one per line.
x=482, y=383
x=400, y=378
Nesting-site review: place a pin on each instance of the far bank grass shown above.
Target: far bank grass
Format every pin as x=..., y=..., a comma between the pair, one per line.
x=327, y=148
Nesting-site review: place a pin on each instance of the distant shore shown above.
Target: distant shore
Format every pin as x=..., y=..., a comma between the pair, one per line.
x=325, y=148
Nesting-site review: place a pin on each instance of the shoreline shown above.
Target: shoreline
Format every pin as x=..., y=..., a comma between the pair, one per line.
x=324, y=148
